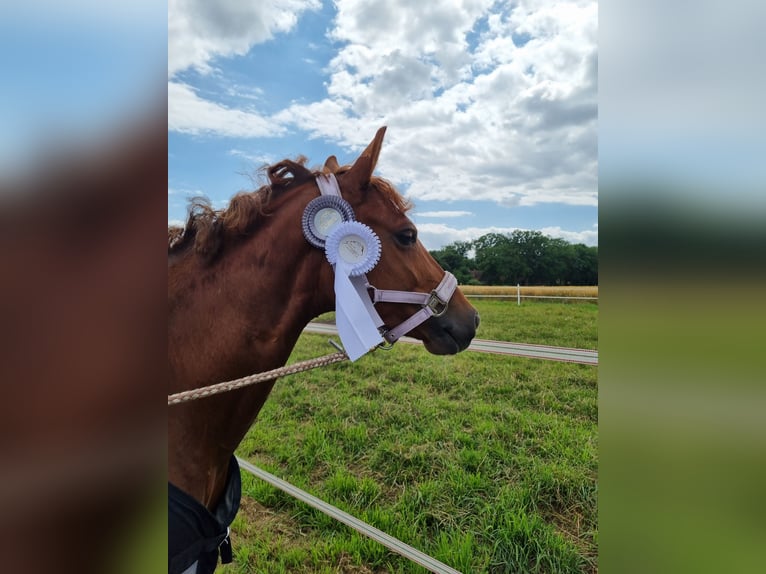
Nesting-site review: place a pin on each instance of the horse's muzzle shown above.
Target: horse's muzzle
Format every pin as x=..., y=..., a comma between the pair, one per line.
x=450, y=333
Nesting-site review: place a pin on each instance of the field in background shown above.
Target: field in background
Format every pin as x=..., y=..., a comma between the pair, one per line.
x=510, y=290
x=486, y=462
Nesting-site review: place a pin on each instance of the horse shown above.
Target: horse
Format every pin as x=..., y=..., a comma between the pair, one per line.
x=243, y=282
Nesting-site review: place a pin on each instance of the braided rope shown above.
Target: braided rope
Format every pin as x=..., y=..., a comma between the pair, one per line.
x=218, y=388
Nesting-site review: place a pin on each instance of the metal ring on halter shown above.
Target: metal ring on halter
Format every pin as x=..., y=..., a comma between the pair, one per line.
x=385, y=345
x=437, y=306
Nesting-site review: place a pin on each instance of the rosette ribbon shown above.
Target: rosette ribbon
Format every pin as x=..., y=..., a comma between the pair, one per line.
x=353, y=249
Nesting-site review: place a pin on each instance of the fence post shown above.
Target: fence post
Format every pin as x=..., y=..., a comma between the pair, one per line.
x=518, y=294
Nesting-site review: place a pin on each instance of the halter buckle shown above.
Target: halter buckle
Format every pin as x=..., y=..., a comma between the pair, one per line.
x=436, y=304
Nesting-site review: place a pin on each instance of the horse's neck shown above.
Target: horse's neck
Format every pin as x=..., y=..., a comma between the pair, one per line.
x=244, y=312
x=228, y=321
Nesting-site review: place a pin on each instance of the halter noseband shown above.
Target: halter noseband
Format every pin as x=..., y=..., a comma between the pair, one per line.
x=433, y=304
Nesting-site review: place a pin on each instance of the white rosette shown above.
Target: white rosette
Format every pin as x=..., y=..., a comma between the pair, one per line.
x=353, y=246
x=353, y=249
x=322, y=215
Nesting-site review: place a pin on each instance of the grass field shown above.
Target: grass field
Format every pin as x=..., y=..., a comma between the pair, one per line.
x=486, y=462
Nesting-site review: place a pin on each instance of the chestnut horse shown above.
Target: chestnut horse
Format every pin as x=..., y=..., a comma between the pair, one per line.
x=242, y=285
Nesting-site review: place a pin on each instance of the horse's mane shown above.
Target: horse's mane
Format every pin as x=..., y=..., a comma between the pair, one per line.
x=208, y=229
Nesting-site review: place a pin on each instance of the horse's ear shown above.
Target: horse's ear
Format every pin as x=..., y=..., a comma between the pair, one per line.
x=358, y=177
x=331, y=165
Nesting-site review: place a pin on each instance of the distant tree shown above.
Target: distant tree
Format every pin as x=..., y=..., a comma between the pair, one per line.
x=454, y=258
x=532, y=247
x=497, y=260
x=583, y=265
x=524, y=257
x=554, y=264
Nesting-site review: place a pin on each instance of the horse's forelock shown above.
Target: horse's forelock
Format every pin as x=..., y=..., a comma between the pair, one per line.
x=288, y=173
x=209, y=228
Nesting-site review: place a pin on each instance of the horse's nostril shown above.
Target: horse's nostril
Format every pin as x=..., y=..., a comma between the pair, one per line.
x=478, y=320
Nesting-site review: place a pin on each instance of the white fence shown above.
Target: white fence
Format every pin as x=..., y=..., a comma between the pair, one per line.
x=393, y=544
x=519, y=296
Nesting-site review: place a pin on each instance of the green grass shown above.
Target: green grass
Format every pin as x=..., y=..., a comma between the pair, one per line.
x=488, y=463
x=541, y=323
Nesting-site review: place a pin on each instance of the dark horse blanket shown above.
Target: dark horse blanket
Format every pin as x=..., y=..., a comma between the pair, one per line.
x=196, y=535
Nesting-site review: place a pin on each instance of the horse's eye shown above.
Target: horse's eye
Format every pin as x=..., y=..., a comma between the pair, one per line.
x=407, y=237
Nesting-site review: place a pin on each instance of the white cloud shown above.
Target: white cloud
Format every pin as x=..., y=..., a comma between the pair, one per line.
x=507, y=121
x=200, y=30
x=327, y=118
x=253, y=93
x=437, y=235
x=588, y=236
x=188, y=113
x=483, y=100
x=257, y=159
x=442, y=214
x=510, y=200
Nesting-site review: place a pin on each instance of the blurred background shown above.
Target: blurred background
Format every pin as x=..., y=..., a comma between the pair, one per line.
x=83, y=176
x=83, y=159
x=682, y=211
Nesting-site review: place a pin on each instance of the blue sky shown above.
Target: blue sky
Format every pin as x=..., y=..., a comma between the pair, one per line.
x=491, y=107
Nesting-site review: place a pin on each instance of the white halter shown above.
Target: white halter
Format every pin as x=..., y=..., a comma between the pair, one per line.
x=353, y=249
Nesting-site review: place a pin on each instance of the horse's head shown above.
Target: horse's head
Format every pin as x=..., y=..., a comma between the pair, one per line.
x=405, y=265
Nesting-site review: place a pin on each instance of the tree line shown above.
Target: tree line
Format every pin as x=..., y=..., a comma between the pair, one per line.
x=521, y=257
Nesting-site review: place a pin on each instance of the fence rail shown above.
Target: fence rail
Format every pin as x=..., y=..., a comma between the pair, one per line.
x=509, y=294
x=393, y=544
x=567, y=354
x=515, y=296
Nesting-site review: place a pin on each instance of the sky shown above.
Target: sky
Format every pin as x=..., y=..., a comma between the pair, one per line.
x=491, y=106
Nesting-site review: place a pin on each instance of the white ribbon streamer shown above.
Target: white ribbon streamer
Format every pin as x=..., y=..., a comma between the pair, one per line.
x=357, y=330
x=353, y=249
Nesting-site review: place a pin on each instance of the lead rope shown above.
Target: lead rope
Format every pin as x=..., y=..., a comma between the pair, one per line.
x=218, y=388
